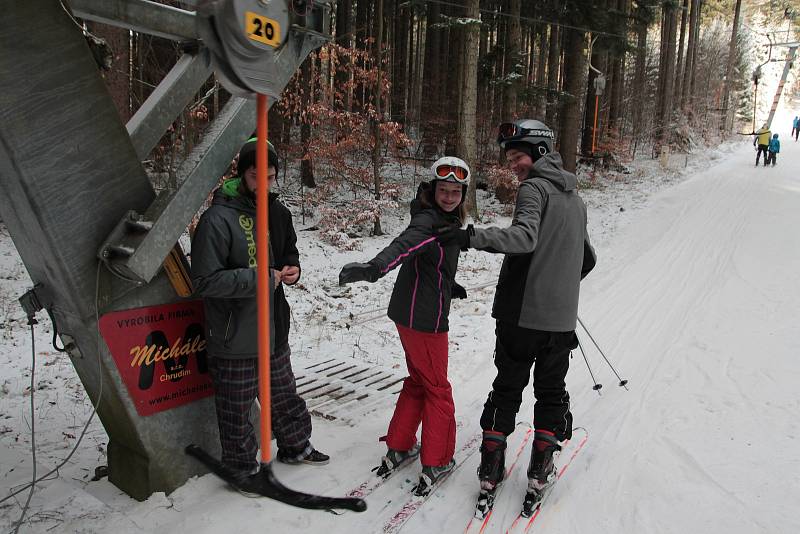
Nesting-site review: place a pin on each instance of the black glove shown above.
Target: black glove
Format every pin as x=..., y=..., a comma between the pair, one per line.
x=458, y=291
x=356, y=272
x=452, y=234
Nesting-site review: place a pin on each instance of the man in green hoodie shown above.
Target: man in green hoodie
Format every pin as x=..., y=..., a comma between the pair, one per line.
x=224, y=274
x=547, y=253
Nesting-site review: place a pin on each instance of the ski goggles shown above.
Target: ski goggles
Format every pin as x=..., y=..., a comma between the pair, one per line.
x=510, y=131
x=459, y=174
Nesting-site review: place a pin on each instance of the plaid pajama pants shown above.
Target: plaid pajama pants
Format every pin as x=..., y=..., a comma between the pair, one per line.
x=236, y=387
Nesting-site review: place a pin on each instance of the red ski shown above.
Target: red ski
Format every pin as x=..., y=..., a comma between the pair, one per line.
x=524, y=522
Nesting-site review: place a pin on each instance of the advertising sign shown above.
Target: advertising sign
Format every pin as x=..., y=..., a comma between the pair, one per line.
x=160, y=352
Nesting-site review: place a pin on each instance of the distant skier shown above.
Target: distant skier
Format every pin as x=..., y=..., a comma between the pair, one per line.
x=420, y=306
x=796, y=127
x=762, y=138
x=774, y=148
x=547, y=253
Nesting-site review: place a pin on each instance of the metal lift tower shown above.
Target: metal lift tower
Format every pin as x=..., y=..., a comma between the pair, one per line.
x=92, y=232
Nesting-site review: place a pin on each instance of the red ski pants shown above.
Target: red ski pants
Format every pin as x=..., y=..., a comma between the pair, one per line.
x=426, y=398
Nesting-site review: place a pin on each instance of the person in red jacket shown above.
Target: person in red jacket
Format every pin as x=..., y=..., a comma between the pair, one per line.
x=420, y=306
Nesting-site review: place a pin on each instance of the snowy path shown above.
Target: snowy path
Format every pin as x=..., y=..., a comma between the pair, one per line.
x=697, y=302
x=694, y=300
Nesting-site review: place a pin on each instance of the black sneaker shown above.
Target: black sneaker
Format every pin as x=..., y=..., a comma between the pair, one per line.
x=244, y=482
x=493, y=460
x=542, y=469
x=309, y=455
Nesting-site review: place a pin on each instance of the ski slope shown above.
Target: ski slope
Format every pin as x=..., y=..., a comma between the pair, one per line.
x=694, y=300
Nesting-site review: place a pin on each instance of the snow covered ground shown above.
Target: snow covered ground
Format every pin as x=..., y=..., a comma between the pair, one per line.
x=694, y=300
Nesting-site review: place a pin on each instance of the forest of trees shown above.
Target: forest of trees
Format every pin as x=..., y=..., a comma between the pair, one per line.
x=409, y=80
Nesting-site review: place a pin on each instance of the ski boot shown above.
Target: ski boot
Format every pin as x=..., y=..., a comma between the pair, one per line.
x=395, y=459
x=541, y=470
x=431, y=475
x=491, y=471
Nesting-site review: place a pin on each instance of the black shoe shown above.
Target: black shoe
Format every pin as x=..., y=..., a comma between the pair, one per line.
x=309, y=455
x=542, y=469
x=245, y=481
x=394, y=459
x=432, y=475
x=493, y=460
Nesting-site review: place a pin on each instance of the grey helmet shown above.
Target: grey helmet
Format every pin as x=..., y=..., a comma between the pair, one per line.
x=530, y=131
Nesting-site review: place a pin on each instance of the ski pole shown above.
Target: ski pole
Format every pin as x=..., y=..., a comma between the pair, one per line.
x=622, y=383
x=596, y=386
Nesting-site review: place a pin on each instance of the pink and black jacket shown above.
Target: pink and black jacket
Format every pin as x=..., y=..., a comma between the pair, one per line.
x=421, y=296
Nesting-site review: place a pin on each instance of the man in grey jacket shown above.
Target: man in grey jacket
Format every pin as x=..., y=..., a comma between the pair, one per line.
x=547, y=253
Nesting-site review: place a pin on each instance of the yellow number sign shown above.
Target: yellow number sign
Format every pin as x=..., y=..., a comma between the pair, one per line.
x=262, y=29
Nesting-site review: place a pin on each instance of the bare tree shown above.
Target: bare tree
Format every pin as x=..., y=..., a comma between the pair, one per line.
x=691, y=53
x=727, y=117
x=511, y=50
x=467, y=146
x=574, y=67
x=676, y=99
x=666, y=71
x=376, y=123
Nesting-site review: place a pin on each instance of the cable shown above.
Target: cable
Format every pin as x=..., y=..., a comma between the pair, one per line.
x=530, y=19
x=32, y=485
x=85, y=31
x=55, y=331
x=94, y=406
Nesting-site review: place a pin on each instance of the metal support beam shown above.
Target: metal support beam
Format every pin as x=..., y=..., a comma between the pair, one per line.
x=153, y=118
x=171, y=213
x=140, y=16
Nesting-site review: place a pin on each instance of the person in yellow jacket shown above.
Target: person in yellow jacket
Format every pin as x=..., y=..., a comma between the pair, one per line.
x=762, y=137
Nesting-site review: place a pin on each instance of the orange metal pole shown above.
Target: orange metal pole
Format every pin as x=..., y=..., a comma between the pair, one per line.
x=594, y=128
x=263, y=287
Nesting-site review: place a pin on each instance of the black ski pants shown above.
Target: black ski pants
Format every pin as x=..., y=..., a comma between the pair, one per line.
x=765, y=150
x=517, y=350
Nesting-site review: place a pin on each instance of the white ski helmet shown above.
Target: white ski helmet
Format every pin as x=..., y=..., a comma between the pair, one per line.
x=451, y=169
x=529, y=131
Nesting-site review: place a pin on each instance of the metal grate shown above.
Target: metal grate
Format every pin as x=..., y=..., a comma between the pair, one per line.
x=347, y=390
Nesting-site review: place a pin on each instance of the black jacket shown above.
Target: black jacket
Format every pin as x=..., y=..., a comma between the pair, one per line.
x=421, y=296
x=224, y=271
